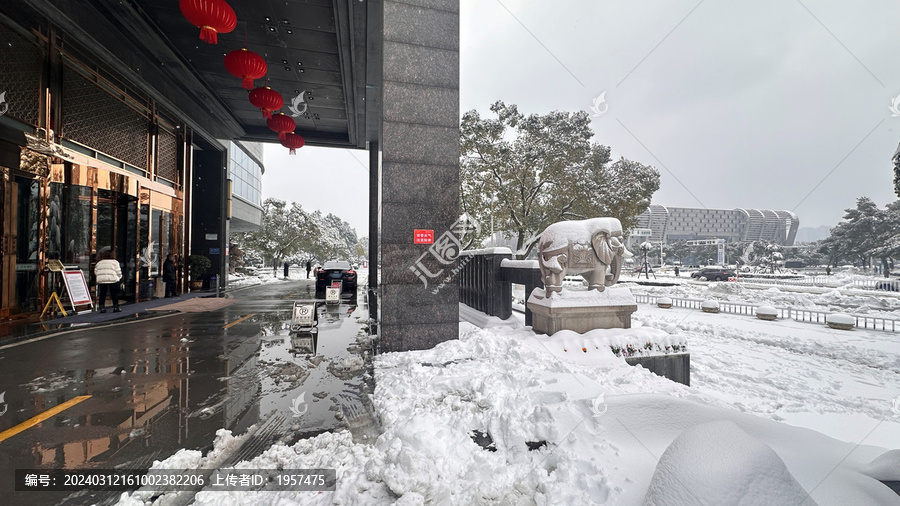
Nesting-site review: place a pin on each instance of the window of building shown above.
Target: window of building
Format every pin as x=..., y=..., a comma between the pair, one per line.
x=246, y=176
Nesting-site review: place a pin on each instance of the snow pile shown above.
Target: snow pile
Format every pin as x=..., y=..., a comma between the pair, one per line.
x=840, y=319
x=878, y=304
x=718, y=463
x=602, y=346
x=223, y=445
x=885, y=467
x=559, y=234
x=766, y=312
x=336, y=451
x=611, y=296
x=579, y=426
x=710, y=306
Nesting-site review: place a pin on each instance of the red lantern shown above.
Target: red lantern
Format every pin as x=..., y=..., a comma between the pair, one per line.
x=281, y=124
x=293, y=141
x=211, y=16
x=267, y=100
x=245, y=64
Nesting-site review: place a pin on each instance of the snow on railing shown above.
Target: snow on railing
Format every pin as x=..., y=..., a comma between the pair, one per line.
x=827, y=282
x=800, y=315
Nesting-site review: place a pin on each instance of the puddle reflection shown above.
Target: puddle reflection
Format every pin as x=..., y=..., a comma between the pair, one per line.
x=157, y=391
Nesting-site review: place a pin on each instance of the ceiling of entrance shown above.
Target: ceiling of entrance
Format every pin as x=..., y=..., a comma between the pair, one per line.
x=325, y=51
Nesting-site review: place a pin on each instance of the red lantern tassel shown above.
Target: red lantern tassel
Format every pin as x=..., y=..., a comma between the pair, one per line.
x=247, y=83
x=293, y=151
x=266, y=113
x=209, y=34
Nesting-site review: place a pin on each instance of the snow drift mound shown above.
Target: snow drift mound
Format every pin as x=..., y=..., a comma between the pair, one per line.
x=886, y=467
x=718, y=463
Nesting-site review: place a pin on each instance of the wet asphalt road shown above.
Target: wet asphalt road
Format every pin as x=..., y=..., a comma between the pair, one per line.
x=160, y=385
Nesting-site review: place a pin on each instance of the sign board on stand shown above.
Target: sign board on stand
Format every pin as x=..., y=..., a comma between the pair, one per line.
x=79, y=294
x=333, y=293
x=303, y=317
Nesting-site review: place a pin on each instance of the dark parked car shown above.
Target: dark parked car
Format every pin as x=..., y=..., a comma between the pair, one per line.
x=336, y=271
x=714, y=273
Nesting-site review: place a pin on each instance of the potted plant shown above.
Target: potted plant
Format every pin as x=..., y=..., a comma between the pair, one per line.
x=197, y=266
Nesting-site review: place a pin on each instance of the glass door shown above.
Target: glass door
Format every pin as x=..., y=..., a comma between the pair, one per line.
x=116, y=229
x=28, y=210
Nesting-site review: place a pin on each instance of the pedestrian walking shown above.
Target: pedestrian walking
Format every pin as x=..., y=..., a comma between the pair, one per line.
x=676, y=271
x=108, y=273
x=169, y=276
x=308, y=268
x=287, y=268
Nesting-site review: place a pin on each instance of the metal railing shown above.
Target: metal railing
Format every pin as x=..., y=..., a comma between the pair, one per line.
x=828, y=282
x=800, y=315
x=486, y=277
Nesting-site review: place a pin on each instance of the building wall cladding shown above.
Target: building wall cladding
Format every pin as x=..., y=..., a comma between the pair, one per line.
x=107, y=146
x=420, y=169
x=93, y=116
x=22, y=66
x=683, y=223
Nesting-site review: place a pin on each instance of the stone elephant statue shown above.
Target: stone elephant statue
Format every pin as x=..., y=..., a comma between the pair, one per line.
x=592, y=248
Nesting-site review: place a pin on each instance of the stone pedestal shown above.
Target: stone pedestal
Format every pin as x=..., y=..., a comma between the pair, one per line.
x=581, y=311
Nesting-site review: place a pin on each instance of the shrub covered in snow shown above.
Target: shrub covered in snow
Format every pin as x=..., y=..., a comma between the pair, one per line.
x=766, y=313
x=710, y=306
x=840, y=321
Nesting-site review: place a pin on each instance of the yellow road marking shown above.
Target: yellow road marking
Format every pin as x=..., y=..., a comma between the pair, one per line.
x=232, y=324
x=31, y=422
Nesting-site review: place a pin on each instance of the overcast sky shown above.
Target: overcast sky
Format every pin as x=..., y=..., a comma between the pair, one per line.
x=772, y=104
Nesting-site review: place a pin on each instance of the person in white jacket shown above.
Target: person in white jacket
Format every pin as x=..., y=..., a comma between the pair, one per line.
x=108, y=273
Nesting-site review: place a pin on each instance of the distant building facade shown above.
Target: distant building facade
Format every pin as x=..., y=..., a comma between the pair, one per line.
x=670, y=224
x=245, y=171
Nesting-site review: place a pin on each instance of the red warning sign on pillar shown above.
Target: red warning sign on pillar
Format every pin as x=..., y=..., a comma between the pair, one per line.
x=423, y=236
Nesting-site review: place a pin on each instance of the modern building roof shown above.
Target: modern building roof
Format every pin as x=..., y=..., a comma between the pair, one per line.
x=668, y=224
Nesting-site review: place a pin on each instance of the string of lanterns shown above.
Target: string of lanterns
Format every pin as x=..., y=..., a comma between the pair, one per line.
x=216, y=16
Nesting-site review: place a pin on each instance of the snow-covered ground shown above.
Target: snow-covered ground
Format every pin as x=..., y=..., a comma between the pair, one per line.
x=777, y=412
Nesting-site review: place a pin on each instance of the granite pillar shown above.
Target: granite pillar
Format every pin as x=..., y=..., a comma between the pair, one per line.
x=419, y=171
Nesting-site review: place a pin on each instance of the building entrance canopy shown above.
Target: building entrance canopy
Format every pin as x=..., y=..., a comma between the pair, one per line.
x=323, y=57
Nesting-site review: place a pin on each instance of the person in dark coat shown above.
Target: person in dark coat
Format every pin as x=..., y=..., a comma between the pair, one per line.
x=308, y=268
x=287, y=270
x=169, y=276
